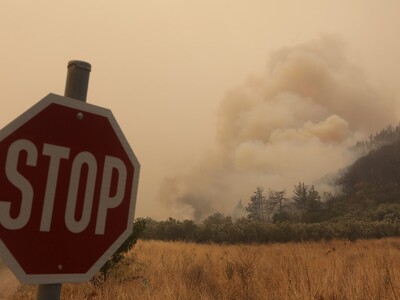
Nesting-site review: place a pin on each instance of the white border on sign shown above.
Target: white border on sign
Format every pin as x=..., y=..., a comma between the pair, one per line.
x=7, y=256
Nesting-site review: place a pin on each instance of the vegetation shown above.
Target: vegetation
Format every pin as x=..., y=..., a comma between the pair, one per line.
x=174, y=270
x=217, y=228
x=386, y=136
x=117, y=258
x=257, y=208
x=367, y=207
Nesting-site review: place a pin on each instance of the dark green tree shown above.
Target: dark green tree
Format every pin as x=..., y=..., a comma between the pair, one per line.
x=300, y=197
x=313, y=198
x=257, y=207
x=277, y=200
x=314, y=210
x=308, y=202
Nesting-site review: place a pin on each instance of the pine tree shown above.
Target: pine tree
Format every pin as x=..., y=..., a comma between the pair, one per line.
x=313, y=199
x=257, y=206
x=300, y=196
x=239, y=211
x=277, y=200
x=307, y=201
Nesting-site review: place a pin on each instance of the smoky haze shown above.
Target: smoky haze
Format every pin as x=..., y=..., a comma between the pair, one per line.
x=292, y=123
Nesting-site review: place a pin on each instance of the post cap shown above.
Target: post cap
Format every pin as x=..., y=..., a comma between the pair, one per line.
x=80, y=64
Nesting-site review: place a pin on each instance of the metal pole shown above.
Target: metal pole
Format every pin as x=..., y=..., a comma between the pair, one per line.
x=76, y=87
x=49, y=291
x=77, y=80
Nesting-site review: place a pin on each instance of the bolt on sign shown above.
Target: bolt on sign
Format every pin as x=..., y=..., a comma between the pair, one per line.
x=68, y=186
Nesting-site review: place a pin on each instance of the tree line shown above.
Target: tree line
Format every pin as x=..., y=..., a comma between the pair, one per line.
x=274, y=217
x=304, y=206
x=218, y=228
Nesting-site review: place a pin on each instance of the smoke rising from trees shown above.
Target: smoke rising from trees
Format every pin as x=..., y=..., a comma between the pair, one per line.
x=293, y=123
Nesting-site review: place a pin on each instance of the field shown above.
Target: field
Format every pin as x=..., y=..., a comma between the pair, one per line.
x=325, y=270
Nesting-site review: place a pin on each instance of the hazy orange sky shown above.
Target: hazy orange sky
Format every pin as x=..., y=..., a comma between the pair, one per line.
x=163, y=67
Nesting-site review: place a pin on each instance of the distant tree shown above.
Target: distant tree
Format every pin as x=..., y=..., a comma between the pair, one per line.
x=277, y=200
x=215, y=219
x=308, y=202
x=313, y=198
x=386, y=212
x=386, y=136
x=300, y=196
x=257, y=207
x=215, y=228
x=314, y=211
x=283, y=216
x=239, y=211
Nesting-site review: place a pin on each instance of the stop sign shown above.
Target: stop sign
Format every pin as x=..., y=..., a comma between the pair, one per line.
x=68, y=185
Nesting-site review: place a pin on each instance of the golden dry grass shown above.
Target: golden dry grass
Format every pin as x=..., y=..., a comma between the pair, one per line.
x=325, y=270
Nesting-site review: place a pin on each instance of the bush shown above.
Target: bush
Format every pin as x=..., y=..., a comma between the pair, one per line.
x=224, y=230
x=114, y=261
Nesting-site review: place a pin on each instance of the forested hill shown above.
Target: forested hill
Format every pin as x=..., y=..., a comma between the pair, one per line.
x=374, y=178
x=370, y=187
x=378, y=170
x=372, y=183
x=386, y=136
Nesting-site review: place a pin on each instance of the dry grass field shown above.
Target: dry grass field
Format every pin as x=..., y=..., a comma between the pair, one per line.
x=325, y=270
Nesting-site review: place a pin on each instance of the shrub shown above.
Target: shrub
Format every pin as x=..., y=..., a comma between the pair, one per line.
x=115, y=260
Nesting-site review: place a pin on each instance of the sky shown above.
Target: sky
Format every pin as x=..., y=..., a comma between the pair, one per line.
x=215, y=97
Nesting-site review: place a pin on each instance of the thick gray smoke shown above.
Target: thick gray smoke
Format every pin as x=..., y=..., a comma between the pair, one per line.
x=293, y=123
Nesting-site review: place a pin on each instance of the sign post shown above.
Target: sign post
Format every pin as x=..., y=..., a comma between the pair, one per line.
x=76, y=87
x=68, y=186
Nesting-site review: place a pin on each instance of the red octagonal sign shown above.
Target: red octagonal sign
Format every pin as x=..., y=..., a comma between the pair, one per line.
x=68, y=185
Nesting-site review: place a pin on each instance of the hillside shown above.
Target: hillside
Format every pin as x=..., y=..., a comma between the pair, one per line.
x=378, y=172
x=375, y=176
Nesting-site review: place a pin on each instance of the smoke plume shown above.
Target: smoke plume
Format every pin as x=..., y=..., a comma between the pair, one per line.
x=293, y=123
